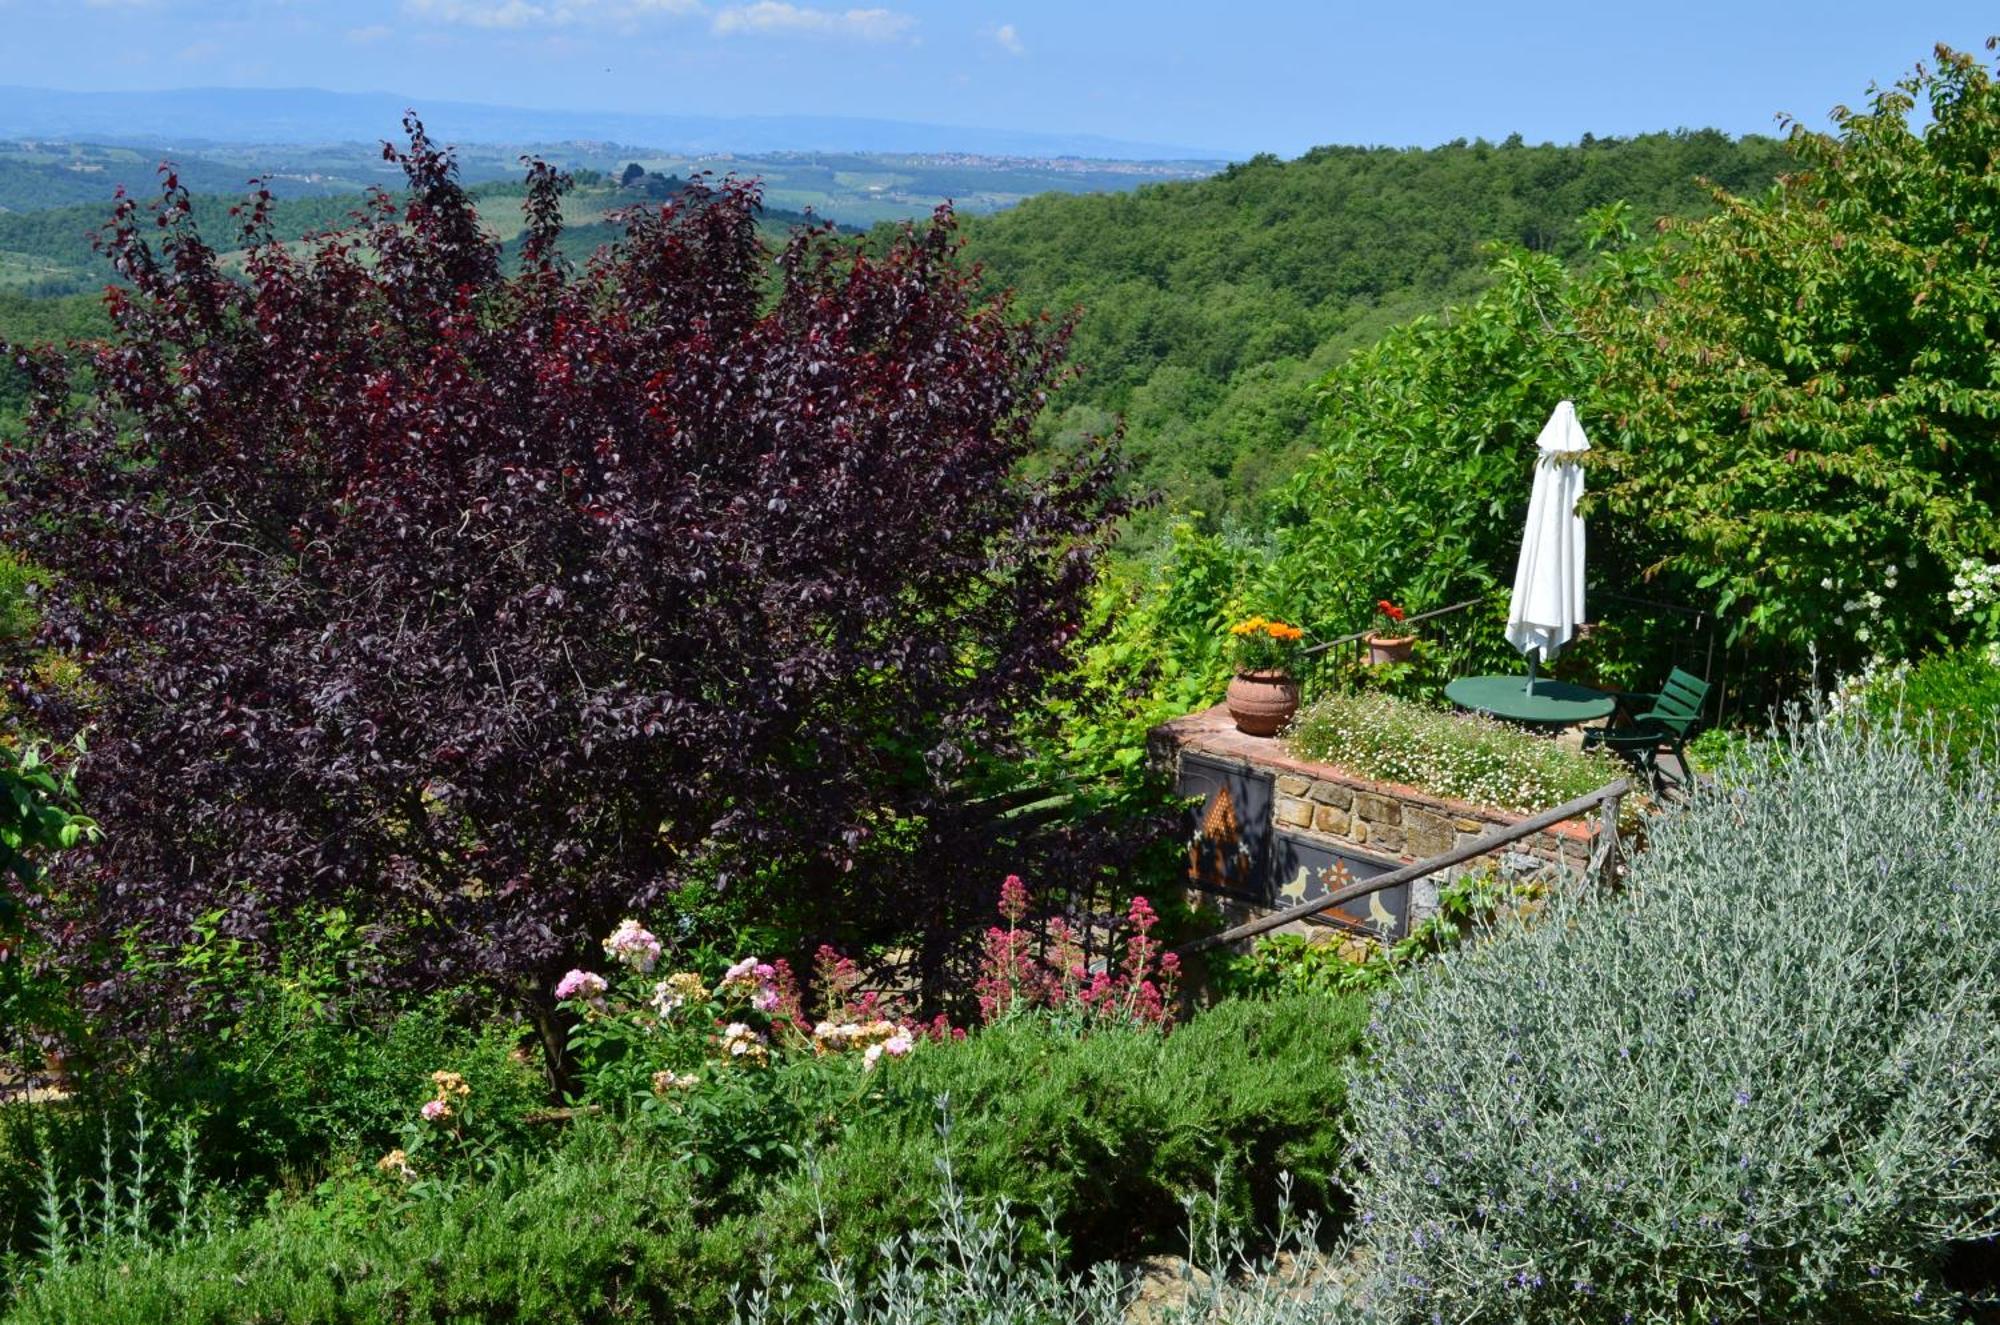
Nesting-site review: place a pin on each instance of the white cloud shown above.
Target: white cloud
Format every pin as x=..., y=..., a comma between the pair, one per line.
x=199, y=52
x=514, y=14
x=369, y=35
x=775, y=18
x=1008, y=40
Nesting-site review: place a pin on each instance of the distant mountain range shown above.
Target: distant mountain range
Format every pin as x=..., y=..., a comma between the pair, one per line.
x=192, y=117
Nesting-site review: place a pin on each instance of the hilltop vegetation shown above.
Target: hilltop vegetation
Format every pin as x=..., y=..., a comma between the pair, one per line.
x=1211, y=307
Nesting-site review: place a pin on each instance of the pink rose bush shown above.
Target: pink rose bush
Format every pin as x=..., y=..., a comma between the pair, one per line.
x=657, y=1042
x=633, y=947
x=582, y=987
x=438, y=1137
x=654, y=1041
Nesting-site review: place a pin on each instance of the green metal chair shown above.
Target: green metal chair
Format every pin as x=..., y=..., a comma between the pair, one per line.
x=1656, y=724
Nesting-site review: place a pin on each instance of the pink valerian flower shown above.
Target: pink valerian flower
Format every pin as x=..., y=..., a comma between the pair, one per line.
x=1013, y=900
x=787, y=1000
x=582, y=987
x=1139, y=948
x=1008, y=975
x=435, y=1111
x=631, y=945
x=1068, y=967
x=940, y=1029
x=1015, y=973
x=839, y=982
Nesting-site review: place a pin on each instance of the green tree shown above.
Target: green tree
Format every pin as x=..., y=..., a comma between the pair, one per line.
x=1806, y=385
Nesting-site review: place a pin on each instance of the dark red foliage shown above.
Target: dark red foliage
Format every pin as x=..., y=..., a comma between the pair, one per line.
x=495, y=604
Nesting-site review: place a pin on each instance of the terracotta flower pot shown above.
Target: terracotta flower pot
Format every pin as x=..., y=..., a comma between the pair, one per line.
x=1389, y=648
x=1262, y=702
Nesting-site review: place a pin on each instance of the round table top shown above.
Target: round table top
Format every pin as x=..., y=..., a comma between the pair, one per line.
x=1552, y=703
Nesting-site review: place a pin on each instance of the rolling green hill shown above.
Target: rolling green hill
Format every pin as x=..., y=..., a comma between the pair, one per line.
x=1210, y=307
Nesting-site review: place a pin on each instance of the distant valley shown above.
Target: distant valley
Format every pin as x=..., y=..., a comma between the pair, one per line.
x=53, y=193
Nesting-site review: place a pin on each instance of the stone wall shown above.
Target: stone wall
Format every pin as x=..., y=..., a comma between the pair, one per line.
x=1370, y=827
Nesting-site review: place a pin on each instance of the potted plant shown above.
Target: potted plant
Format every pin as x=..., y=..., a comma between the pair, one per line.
x=1263, y=695
x=1388, y=642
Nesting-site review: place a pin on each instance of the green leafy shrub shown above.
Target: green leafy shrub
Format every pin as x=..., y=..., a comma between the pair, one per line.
x=1758, y=1084
x=1950, y=698
x=19, y=582
x=38, y=818
x=1459, y=756
x=288, y=1091
x=1338, y=962
x=300, y=1074
x=1715, y=748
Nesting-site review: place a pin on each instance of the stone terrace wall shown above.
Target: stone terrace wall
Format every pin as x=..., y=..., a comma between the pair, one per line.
x=1386, y=823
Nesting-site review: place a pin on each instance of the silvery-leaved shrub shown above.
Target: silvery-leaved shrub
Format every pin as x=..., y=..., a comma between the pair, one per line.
x=1760, y=1083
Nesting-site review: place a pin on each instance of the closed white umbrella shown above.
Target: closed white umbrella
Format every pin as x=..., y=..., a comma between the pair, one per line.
x=1547, y=605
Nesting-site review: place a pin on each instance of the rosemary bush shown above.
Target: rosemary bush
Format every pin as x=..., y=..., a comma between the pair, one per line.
x=971, y=1267
x=1759, y=1084
x=1459, y=756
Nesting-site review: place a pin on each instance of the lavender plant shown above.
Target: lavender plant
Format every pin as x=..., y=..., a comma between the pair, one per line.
x=1756, y=1085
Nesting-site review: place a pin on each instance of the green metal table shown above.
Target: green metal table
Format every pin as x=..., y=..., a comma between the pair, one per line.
x=1549, y=704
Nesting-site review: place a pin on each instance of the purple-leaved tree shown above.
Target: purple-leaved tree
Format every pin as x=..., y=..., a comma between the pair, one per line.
x=494, y=605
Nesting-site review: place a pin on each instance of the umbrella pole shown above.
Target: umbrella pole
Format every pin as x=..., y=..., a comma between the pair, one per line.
x=1534, y=656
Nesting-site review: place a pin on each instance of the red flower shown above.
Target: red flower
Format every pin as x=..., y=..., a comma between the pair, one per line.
x=1389, y=609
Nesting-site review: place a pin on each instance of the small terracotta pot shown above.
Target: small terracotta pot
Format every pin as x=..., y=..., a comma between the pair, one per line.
x=1389, y=648
x=1262, y=702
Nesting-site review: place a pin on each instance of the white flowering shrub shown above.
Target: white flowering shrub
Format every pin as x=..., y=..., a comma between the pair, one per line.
x=1757, y=1085
x=1459, y=756
x=1975, y=597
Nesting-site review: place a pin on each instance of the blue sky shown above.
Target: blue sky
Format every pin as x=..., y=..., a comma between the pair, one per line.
x=1234, y=76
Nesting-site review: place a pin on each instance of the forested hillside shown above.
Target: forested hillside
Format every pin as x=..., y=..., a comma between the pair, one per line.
x=1210, y=307
x=28, y=321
